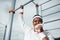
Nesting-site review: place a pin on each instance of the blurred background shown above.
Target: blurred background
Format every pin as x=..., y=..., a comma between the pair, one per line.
x=48, y=9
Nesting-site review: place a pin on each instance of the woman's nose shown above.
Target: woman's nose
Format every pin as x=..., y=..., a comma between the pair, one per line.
x=38, y=22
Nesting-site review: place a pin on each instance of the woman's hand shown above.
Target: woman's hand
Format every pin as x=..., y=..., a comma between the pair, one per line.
x=13, y=11
x=39, y=28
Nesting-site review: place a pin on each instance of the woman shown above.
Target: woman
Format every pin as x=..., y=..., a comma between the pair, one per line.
x=37, y=33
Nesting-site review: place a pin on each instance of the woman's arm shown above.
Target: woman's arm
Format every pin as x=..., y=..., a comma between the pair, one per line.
x=21, y=21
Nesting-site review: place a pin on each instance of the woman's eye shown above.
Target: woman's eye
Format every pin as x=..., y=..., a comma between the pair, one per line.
x=34, y=21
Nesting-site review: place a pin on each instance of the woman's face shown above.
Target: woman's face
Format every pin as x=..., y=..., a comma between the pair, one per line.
x=36, y=21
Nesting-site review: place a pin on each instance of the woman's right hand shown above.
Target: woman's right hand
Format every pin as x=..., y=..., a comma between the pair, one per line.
x=11, y=11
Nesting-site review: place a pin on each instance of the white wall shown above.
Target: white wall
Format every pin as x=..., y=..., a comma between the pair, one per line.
x=29, y=12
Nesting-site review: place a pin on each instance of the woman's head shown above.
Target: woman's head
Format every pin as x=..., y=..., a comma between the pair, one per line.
x=37, y=20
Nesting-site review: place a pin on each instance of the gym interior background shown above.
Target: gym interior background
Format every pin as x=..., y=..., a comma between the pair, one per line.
x=48, y=9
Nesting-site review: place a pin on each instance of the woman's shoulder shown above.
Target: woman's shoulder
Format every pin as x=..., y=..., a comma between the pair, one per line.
x=49, y=34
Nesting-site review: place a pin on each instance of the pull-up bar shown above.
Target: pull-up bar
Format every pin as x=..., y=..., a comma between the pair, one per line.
x=25, y=4
x=21, y=6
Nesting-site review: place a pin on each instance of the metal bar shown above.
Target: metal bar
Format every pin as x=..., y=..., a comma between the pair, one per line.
x=10, y=31
x=5, y=32
x=45, y=2
x=24, y=4
x=41, y=12
x=11, y=27
x=42, y=3
x=37, y=7
x=51, y=21
x=33, y=2
x=51, y=7
x=51, y=14
x=28, y=2
x=37, y=11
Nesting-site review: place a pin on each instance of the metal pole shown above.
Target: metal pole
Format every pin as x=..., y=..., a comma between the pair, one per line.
x=45, y=2
x=5, y=32
x=10, y=31
x=37, y=10
x=25, y=4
